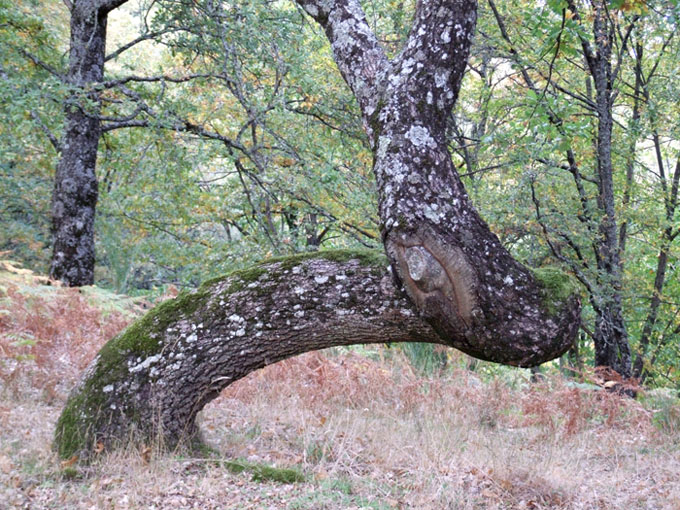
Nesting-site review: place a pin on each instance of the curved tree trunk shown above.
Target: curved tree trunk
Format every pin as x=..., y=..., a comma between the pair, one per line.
x=153, y=379
x=159, y=373
x=462, y=288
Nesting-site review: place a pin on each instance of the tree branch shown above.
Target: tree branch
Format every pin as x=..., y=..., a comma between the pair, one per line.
x=153, y=79
x=40, y=63
x=442, y=34
x=109, y=5
x=145, y=37
x=357, y=52
x=46, y=131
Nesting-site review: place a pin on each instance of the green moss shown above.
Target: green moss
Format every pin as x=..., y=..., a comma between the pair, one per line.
x=70, y=474
x=143, y=336
x=245, y=276
x=557, y=287
x=365, y=257
x=141, y=339
x=68, y=439
x=264, y=473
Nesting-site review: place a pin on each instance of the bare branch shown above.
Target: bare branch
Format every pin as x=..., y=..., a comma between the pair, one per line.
x=109, y=5
x=555, y=250
x=152, y=79
x=624, y=46
x=46, y=131
x=144, y=37
x=40, y=63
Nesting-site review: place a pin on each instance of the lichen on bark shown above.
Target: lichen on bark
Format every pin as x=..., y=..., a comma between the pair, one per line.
x=155, y=376
x=139, y=342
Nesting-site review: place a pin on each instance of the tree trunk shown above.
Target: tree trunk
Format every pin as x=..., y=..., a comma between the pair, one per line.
x=464, y=289
x=153, y=379
x=667, y=238
x=75, y=186
x=611, y=337
x=157, y=375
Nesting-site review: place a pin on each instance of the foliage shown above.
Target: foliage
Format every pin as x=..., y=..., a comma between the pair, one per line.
x=426, y=358
x=525, y=131
x=264, y=473
x=27, y=92
x=34, y=348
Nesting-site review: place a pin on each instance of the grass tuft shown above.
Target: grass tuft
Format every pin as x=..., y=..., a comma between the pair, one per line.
x=264, y=473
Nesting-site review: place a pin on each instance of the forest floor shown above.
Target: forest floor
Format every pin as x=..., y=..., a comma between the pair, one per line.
x=358, y=429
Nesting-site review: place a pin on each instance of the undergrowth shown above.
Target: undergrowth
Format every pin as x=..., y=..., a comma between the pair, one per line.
x=48, y=333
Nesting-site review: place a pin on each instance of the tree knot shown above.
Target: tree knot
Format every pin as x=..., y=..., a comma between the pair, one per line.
x=437, y=276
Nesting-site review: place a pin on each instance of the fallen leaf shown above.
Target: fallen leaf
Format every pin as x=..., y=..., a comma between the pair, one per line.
x=70, y=462
x=5, y=464
x=489, y=494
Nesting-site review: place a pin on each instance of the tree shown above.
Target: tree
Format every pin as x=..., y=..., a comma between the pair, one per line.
x=462, y=287
x=602, y=275
x=75, y=186
x=600, y=183
x=226, y=60
x=29, y=115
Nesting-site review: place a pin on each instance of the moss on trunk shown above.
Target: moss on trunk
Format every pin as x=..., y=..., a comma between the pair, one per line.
x=558, y=288
x=139, y=341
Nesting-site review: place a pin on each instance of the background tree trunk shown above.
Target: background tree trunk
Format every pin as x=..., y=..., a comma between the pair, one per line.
x=611, y=337
x=75, y=186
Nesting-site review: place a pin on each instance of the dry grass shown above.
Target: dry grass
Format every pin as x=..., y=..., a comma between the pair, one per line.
x=366, y=431
x=48, y=334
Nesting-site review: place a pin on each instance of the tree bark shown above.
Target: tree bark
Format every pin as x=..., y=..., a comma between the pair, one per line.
x=157, y=375
x=453, y=267
x=74, y=198
x=611, y=337
x=153, y=379
x=462, y=288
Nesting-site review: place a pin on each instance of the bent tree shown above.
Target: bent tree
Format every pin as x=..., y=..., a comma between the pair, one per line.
x=447, y=279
